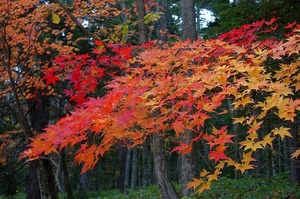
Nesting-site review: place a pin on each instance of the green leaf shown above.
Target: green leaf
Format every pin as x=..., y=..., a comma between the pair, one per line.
x=153, y=16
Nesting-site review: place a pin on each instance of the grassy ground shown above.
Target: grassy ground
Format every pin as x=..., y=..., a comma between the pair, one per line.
x=246, y=188
x=278, y=187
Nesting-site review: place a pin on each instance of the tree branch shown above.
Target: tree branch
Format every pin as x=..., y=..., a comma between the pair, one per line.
x=63, y=6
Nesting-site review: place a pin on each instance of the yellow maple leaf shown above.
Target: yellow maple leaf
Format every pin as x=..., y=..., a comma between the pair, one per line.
x=204, y=186
x=55, y=18
x=243, y=167
x=282, y=131
x=296, y=153
x=204, y=173
x=247, y=157
x=254, y=126
x=214, y=176
x=220, y=165
x=242, y=102
x=252, y=136
x=259, y=51
x=239, y=120
x=267, y=140
x=230, y=162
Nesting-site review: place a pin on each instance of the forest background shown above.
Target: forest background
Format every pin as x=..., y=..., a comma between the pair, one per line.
x=141, y=92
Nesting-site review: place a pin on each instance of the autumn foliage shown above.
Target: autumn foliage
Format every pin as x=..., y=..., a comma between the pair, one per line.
x=181, y=87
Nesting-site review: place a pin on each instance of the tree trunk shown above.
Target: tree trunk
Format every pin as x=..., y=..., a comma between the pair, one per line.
x=166, y=187
x=39, y=119
x=236, y=138
x=134, y=168
x=33, y=188
x=50, y=178
x=293, y=146
x=65, y=174
x=142, y=28
x=82, y=184
x=147, y=163
x=188, y=20
x=128, y=170
x=188, y=164
x=163, y=22
x=122, y=163
x=257, y=153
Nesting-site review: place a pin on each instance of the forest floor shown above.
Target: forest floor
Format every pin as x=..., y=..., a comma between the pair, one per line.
x=244, y=188
x=278, y=187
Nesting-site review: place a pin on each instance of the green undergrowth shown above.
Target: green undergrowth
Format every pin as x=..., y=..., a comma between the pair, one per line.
x=245, y=188
x=277, y=187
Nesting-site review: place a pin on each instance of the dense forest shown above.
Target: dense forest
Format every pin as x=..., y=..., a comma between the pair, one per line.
x=98, y=95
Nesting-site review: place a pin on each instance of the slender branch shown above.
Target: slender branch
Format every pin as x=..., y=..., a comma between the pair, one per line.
x=63, y=6
x=7, y=54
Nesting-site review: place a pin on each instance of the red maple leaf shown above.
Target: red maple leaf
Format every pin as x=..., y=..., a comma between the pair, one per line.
x=272, y=20
x=290, y=25
x=51, y=77
x=218, y=154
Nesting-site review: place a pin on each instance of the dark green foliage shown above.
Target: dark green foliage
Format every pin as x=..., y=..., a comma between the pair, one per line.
x=230, y=15
x=247, y=187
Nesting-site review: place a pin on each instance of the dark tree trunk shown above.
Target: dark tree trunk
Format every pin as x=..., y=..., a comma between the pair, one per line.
x=236, y=138
x=122, y=162
x=188, y=164
x=39, y=118
x=293, y=146
x=66, y=178
x=134, y=167
x=33, y=188
x=142, y=28
x=163, y=22
x=147, y=163
x=257, y=163
x=257, y=153
x=50, y=178
x=166, y=187
x=188, y=20
x=128, y=169
x=82, y=184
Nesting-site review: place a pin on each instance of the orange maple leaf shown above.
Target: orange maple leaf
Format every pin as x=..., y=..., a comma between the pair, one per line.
x=194, y=184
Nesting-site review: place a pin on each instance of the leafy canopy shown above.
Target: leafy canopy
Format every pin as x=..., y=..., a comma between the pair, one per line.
x=181, y=87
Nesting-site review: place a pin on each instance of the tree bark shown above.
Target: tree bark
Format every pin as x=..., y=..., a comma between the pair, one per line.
x=293, y=144
x=82, y=184
x=39, y=119
x=188, y=20
x=134, y=168
x=166, y=187
x=236, y=140
x=147, y=163
x=65, y=173
x=122, y=163
x=163, y=22
x=188, y=164
x=257, y=154
x=33, y=188
x=142, y=28
x=128, y=170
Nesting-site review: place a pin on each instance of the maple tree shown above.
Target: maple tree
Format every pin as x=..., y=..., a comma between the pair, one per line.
x=168, y=85
x=32, y=33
